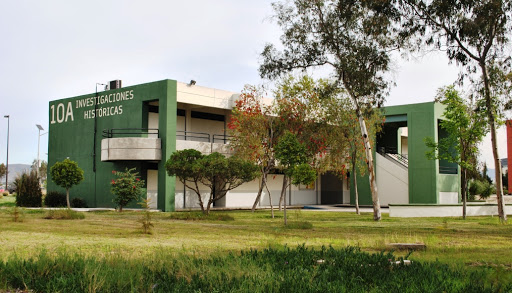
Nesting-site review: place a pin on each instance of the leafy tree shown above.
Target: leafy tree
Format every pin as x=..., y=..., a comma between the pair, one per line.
x=473, y=33
x=466, y=126
x=298, y=106
x=254, y=132
x=353, y=38
x=223, y=174
x=293, y=158
x=215, y=171
x=126, y=188
x=66, y=174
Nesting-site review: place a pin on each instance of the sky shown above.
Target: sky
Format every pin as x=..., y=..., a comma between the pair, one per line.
x=56, y=49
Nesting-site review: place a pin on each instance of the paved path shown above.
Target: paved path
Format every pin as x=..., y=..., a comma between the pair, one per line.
x=340, y=208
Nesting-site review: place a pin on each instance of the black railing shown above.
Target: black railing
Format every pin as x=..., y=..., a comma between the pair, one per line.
x=124, y=132
x=391, y=152
x=193, y=136
x=221, y=138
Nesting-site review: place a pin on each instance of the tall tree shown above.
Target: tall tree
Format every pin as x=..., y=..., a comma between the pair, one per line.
x=466, y=126
x=474, y=34
x=353, y=38
x=254, y=132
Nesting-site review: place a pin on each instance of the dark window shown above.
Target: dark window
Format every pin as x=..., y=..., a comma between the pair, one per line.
x=181, y=112
x=208, y=116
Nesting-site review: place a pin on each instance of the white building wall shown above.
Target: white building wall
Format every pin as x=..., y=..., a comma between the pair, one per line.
x=392, y=182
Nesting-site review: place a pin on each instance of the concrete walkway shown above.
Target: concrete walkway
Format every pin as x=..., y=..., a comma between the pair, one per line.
x=343, y=208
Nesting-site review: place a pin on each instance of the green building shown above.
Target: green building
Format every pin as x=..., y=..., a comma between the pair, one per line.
x=140, y=126
x=404, y=174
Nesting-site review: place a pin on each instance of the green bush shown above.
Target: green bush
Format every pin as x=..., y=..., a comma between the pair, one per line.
x=489, y=189
x=5, y=193
x=79, y=202
x=127, y=187
x=482, y=188
x=55, y=199
x=28, y=190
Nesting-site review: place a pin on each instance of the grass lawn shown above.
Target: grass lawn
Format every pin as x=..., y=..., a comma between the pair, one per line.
x=477, y=241
x=185, y=246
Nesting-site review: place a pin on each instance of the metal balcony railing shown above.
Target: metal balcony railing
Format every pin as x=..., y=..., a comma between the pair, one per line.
x=391, y=153
x=202, y=137
x=130, y=132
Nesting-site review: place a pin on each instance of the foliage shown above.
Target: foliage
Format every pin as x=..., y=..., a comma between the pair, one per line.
x=5, y=193
x=127, y=187
x=66, y=174
x=482, y=188
x=63, y=214
x=146, y=219
x=300, y=269
x=466, y=126
x=353, y=38
x=218, y=173
x=474, y=34
x=79, y=202
x=28, y=190
x=254, y=132
x=293, y=158
x=54, y=199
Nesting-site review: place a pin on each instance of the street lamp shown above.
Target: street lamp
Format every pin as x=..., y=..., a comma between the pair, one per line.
x=38, y=143
x=7, y=161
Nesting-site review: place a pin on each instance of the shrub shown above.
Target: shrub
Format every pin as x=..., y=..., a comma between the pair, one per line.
x=5, y=193
x=79, y=202
x=126, y=188
x=489, y=189
x=67, y=214
x=28, y=190
x=55, y=199
x=17, y=214
x=146, y=220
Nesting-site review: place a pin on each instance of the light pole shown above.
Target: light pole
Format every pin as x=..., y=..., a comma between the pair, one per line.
x=7, y=161
x=39, y=127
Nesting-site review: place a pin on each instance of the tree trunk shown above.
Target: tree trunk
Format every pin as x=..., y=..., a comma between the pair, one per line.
x=270, y=200
x=369, y=161
x=260, y=191
x=492, y=124
x=284, y=201
x=67, y=198
x=355, y=188
x=283, y=191
x=463, y=181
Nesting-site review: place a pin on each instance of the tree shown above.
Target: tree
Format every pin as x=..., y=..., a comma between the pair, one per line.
x=215, y=171
x=41, y=171
x=353, y=38
x=254, y=132
x=293, y=158
x=298, y=106
x=466, y=126
x=66, y=174
x=28, y=192
x=126, y=188
x=474, y=34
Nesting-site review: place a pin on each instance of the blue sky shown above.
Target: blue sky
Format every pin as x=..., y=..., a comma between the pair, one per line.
x=56, y=49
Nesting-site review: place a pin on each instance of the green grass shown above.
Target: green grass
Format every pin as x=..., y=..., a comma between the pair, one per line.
x=480, y=243
x=7, y=201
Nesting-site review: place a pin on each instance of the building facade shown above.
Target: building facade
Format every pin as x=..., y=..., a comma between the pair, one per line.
x=140, y=126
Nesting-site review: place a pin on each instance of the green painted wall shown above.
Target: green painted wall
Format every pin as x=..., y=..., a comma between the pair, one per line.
x=424, y=178
x=72, y=134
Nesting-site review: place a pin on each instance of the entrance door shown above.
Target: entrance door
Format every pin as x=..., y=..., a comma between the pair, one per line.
x=152, y=188
x=332, y=189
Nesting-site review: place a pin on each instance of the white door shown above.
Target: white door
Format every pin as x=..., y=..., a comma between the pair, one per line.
x=152, y=190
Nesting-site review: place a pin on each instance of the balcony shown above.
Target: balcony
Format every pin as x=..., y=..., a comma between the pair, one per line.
x=131, y=144
x=203, y=142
